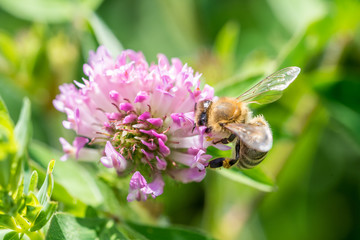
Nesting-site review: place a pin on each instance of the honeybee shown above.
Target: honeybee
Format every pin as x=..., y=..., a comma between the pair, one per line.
x=231, y=119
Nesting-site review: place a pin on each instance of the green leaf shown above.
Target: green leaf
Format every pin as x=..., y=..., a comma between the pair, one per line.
x=7, y=204
x=52, y=11
x=23, y=135
x=19, y=194
x=60, y=194
x=254, y=177
x=104, y=35
x=8, y=48
x=8, y=145
x=11, y=236
x=33, y=182
x=111, y=232
x=64, y=226
x=46, y=189
x=239, y=83
x=7, y=222
x=178, y=233
x=23, y=128
x=22, y=222
x=4, y=113
x=88, y=43
x=32, y=212
x=349, y=118
x=129, y=233
x=225, y=45
x=74, y=177
x=289, y=10
x=45, y=215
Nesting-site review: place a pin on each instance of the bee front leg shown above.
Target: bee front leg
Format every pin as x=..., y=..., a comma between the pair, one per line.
x=226, y=162
x=193, y=128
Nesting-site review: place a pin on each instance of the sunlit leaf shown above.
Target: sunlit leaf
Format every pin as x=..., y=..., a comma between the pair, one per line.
x=105, y=36
x=8, y=49
x=225, y=45
x=179, y=233
x=23, y=135
x=33, y=182
x=60, y=193
x=238, y=84
x=254, y=177
x=349, y=118
x=12, y=236
x=48, y=185
x=112, y=232
x=64, y=226
x=53, y=11
x=7, y=222
x=45, y=214
x=33, y=207
x=7, y=145
x=288, y=12
x=76, y=179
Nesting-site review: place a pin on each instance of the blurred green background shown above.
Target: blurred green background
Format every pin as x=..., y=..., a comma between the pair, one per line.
x=315, y=161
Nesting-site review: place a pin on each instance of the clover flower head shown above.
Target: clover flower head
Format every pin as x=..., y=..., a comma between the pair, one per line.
x=141, y=116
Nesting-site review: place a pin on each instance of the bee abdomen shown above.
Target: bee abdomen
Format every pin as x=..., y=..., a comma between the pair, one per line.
x=250, y=158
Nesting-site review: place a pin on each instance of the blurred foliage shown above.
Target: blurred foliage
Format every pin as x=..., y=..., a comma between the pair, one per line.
x=24, y=210
x=315, y=160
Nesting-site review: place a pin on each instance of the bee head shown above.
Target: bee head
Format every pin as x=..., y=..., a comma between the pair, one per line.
x=201, y=112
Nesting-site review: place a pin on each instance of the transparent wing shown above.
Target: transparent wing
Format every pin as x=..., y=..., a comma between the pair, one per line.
x=270, y=89
x=255, y=137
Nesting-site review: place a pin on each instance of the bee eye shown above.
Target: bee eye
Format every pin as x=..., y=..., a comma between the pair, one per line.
x=203, y=119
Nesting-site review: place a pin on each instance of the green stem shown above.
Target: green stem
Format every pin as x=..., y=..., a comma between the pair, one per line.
x=34, y=235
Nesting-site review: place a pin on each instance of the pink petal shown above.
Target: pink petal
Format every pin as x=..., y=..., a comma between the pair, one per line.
x=141, y=97
x=157, y=186
x=144, y=116
x=188, y=175
x=79, y=143
x=129, y=118
x=157, y=122
x=148, y=155
x=114, y=157
x=161, y=163
x=125, y=107
x=113, y=116
x=153, y=133
x=163, y=148
x=150, y=145
x=114, y=95
x=138, y=188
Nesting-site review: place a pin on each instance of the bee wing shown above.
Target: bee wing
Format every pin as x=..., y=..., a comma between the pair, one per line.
x=270, y=89
x=255, y=137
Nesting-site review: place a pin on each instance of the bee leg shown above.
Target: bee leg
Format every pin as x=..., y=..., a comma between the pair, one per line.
x=208, y=130
x=226, y=162
x=195, y=106
x=222, y=162
x=226, y=140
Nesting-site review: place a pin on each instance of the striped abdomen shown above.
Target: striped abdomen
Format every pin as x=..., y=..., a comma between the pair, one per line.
x=249, y=157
